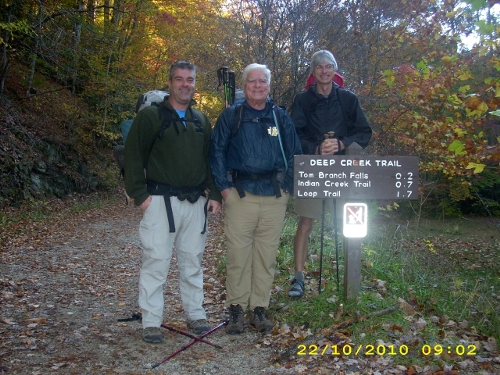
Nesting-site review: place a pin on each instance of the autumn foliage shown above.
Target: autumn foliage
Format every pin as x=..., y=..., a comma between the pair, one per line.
x=424, y=92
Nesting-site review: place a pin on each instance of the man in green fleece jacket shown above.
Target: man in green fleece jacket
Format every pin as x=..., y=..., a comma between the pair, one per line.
x=167, y=174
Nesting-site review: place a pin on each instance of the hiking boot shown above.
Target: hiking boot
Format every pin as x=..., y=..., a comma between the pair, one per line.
x=236, y=320
x=259, y=321
x=152, y=335
x=297, y=289
x=199, y=327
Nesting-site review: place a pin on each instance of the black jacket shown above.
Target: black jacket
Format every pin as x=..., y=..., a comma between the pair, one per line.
x=314, y=115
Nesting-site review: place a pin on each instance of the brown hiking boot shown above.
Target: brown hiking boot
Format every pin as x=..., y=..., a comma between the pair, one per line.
x=259, y=321
x=236, y=320
x=199, y=327
x=152, y=335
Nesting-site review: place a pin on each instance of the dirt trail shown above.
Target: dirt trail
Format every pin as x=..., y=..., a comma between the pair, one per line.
x=64, y=289
x=65, y=284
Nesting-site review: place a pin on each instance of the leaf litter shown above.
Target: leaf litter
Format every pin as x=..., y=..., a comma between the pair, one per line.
x=65, y=283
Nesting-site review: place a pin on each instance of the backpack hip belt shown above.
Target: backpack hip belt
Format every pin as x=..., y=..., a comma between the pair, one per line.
x=182, y=193
x=275, y=176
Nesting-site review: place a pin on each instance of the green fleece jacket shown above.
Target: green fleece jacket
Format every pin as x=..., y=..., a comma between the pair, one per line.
x=177, y=159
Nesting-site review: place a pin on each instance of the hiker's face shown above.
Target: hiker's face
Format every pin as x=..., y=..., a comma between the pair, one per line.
x=323, y=72
x=182, y=87
x=256, y=88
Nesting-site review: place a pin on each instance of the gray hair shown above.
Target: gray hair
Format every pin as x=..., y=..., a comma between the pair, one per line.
x=255, y=66
x=323, y=56
x=182, y=65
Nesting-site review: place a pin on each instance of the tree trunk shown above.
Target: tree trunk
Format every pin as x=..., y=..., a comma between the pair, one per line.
x=34, y=53
x=76, y=48
x=5, y=62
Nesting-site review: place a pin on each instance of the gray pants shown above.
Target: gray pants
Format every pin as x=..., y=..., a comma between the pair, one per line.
x=158, y=244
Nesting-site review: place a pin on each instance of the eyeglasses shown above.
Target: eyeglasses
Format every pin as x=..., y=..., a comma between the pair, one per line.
x=324, y=67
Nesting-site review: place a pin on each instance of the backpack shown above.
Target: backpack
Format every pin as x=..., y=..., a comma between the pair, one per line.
x=337, y=78
x=125, y=127
x=166, y=119
x=150, y=97
x=155, y=98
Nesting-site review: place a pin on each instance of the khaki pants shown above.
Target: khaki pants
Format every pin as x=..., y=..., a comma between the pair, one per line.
x=157, y=244
x=252, y=226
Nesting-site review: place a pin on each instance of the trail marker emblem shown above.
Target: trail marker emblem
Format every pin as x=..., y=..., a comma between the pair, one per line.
x=355, y=220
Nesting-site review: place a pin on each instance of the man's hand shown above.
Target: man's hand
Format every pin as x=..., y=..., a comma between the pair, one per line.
x=225, y=193
x=331, y=146
x=144, y=205
x=214, y=207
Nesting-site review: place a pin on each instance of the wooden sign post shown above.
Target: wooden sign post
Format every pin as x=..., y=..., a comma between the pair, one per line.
x=352, y=178
x=352, y=249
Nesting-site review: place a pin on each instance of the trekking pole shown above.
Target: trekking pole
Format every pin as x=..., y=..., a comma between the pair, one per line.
x=336, y=241
x=190, y=335
x=135, y=316
x=189, y=344
x=221, y=73
x=223, y=76
x=232, y=87
x=321, y=248
x=326, y=136
x=331, y=135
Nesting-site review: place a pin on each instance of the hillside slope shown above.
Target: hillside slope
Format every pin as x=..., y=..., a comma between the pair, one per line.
x=47, y=146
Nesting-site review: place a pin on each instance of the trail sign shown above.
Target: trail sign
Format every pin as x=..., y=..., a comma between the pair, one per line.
x=355, y=177
x=355, y=220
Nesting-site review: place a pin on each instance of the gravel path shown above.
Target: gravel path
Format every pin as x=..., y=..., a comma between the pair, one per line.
x=65, y=284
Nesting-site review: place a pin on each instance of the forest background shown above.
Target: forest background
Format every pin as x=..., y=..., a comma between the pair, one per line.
x=71, y=72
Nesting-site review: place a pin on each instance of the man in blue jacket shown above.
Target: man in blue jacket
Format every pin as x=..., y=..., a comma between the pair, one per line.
x=251, y=156
x=322, y=108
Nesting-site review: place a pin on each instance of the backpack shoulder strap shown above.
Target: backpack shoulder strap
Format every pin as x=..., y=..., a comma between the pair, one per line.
x=238, y=116
x=346, y=102
x=166, y=119
x=196, y=119
x=279, y=124
x=276, y=110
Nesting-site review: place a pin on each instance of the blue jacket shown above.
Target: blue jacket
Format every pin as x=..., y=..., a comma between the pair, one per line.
x=254, y=150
